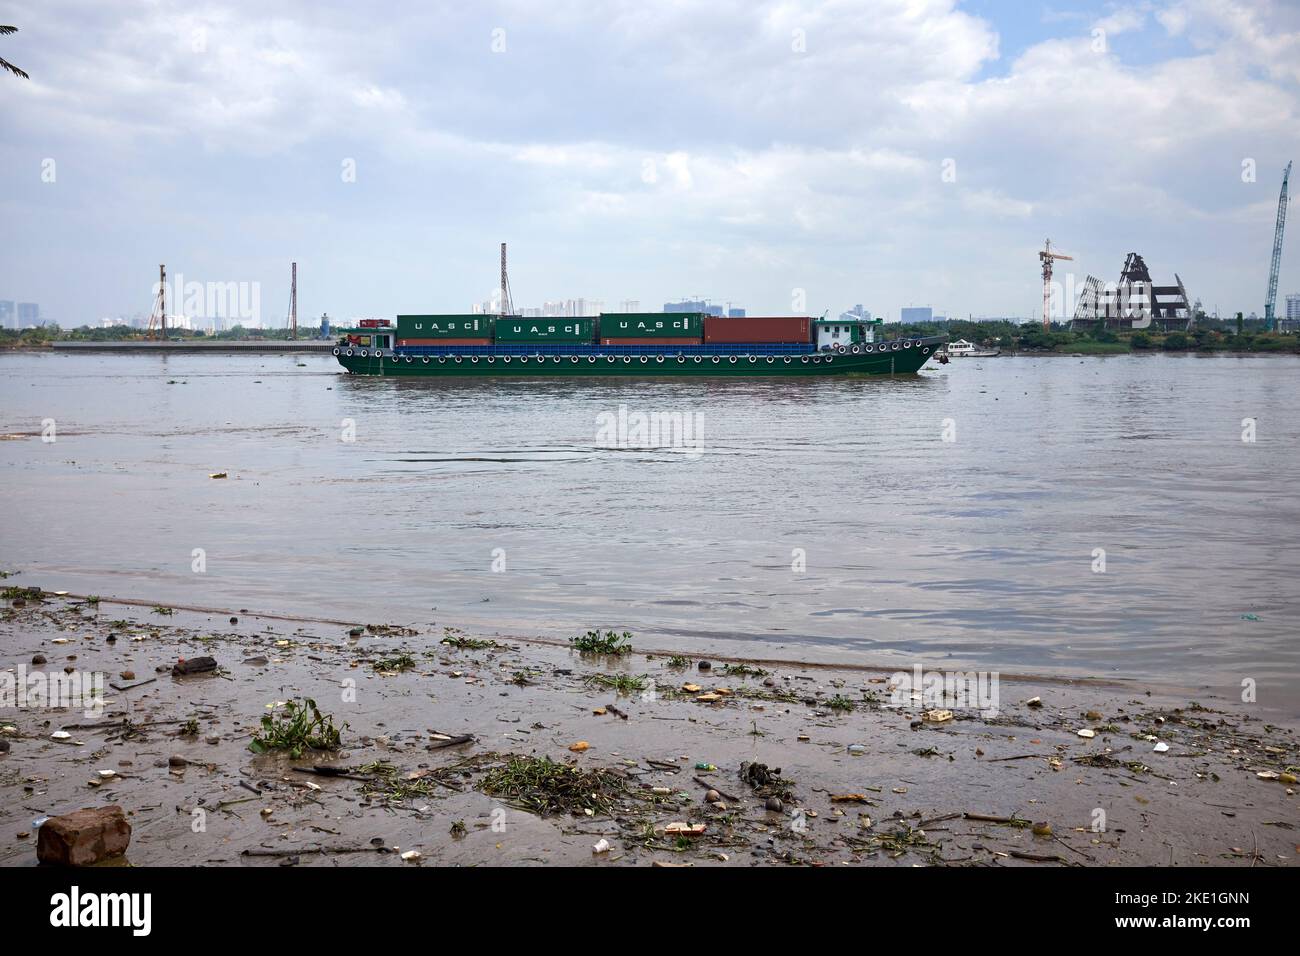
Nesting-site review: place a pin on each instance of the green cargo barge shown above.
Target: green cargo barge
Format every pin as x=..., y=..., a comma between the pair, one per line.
x=674, y=346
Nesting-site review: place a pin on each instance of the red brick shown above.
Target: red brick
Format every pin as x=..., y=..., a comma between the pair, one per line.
x=83, y=837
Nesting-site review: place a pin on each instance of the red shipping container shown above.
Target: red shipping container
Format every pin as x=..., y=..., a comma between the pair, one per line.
x=412, y=342
x=772, y=329
x=650, y=341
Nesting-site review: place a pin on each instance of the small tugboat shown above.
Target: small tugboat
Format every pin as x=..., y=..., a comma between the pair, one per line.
x=626, y=344
x=963, y=349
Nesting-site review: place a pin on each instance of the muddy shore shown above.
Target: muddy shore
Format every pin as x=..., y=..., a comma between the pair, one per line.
x=808, y=764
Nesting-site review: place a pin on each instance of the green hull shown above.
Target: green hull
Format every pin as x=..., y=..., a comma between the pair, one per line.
x=907, y=359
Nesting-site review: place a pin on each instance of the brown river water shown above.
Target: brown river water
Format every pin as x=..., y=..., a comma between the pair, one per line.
x=821, y=520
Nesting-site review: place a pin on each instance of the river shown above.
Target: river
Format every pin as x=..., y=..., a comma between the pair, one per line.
x=1054, y=515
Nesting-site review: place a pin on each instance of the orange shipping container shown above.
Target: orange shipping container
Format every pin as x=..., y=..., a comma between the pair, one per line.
x=413, y=342
x=785, y=329
x=651, y=342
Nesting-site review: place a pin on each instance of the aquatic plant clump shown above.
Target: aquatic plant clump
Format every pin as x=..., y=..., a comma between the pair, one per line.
x=543, y=786
x=611, y=642
x=297, y=728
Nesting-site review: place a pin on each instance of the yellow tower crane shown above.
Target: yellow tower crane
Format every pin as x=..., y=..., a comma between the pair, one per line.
x=1047, y=255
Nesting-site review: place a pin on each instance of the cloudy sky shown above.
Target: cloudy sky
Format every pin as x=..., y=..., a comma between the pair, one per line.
x=888, y=152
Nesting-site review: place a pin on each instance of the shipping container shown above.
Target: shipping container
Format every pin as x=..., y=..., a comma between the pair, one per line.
x=444, y=326
x=643, y=325
x=545, y=330
x=407, y=343
x=635, y=340
x=783, y=329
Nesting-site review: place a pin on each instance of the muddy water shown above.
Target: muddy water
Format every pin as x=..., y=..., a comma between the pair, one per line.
x=821, y=520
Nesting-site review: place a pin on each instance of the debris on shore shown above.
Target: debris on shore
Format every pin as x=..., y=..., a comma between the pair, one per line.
x=308, y=747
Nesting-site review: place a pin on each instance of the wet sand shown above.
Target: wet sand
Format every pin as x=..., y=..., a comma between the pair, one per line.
x=870, y=785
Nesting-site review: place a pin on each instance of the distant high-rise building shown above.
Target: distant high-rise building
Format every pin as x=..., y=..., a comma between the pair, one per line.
x=1292, y=307
x=919, y=313
x=8, y=317
x=629, y=305
x=29, y=315
x=857, y=313
x=700, y=305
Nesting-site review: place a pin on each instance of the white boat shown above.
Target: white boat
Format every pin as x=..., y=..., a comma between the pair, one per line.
x=963, y=349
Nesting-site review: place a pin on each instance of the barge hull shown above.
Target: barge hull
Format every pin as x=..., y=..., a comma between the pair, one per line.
x=884, y=359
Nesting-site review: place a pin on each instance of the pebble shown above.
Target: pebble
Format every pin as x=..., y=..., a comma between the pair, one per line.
x=38, y=659
x=705, y=665
x=857, y=749
x=176, y=760
x=712, y=797
x=774, y=804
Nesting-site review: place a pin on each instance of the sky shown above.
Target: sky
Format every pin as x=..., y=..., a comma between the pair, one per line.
x=781, y=155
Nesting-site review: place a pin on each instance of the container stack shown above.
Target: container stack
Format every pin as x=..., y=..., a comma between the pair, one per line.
x=512, y=329
x=651, y=328
x=444, y=330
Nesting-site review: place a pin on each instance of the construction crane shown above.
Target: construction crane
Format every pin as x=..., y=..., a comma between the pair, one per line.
x=158, y=317
x=1047, y=255
x=505, y=304
x=1270, y=304
x=293, y=302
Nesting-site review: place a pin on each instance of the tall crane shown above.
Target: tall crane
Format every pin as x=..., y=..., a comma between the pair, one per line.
x=293, y=302
x=1271, y=302
x=506, y=306
x=1047, y=255
x=158, y=318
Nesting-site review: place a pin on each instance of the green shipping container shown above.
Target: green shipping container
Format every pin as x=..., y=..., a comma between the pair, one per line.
x=545, y=330
x=444, y=326
x=651, y=325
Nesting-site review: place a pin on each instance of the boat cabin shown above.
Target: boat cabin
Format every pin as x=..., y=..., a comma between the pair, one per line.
x=369, y=333
x=834, y=333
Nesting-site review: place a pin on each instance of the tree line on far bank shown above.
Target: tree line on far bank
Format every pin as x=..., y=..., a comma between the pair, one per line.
x=45, y=334
x=1209, y=335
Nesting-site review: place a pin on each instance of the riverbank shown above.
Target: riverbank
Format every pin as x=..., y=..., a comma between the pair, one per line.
x=848, y=778
x=214, y=347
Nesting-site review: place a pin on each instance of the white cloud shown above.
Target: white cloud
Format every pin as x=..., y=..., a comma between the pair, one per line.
x=690, y=126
